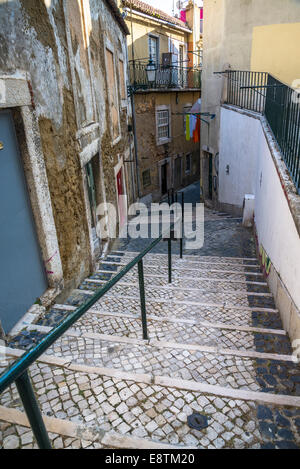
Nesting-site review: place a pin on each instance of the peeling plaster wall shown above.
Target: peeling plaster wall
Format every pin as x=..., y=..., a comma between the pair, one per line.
x=62, y=53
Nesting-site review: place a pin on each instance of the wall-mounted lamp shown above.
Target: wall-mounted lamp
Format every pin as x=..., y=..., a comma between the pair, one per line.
x=151, y=71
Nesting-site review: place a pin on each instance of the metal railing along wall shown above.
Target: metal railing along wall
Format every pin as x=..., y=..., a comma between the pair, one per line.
x=18, y=371
x=165, y=77
x=261, y=92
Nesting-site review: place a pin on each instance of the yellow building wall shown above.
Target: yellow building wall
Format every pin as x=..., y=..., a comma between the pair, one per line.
x=276, y=49
x=139, y=33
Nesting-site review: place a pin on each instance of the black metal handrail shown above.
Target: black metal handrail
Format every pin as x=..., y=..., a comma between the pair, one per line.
x=263, y=93
x=18, y=371
x=170, y=76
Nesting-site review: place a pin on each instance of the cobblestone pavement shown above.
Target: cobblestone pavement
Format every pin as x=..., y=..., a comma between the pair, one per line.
x=208, y=329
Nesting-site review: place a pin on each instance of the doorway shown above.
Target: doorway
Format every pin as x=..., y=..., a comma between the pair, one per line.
x=164, y=178
x=22, y=275
x=93, y=182
x=178, y=172
x=121, y=199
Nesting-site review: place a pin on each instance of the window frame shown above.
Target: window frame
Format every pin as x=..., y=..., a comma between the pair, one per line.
x=108, y=46
x=123, y=101
x=156, y=37
x=162, y=140
x=150, y=182
x=188, y=157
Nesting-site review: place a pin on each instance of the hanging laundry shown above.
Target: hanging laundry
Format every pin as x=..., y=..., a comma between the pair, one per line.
x=187, y=131
x=196, y=134
x=193, y=121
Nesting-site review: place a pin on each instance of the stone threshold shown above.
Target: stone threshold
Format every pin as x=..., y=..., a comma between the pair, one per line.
x=165, y=381
x=165, y=344
x=70, y=429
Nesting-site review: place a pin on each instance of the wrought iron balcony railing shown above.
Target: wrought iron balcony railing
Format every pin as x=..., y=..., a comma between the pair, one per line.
x=261, y=92
x=171, y=76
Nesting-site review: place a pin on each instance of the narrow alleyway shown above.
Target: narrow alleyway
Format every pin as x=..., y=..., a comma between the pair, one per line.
x=216, y=347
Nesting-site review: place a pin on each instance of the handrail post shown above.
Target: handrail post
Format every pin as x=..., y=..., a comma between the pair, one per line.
x=170, y=258
x=142, y=297
x=182, y=223
x=32, y=410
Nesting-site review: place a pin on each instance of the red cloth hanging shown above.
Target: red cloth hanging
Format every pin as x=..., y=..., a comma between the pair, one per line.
x=196, y=134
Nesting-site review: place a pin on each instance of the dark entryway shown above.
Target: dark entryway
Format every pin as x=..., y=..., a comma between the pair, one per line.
x=164, y=178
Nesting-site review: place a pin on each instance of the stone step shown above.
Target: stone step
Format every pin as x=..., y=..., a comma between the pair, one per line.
x=167, y=311
x=84, y=403
x=228, y=276
x=64, y=365
x=196, y=258
x=63, y=311
x=162, y=294
x=184, y=265
x=184, y=280
x=199, y=272
x=175, y=330
x=222, y=312
x=189, y=284
x=209, y=364
x=64, y=434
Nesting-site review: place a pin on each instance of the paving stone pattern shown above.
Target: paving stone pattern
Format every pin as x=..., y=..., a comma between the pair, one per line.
x=224, y=301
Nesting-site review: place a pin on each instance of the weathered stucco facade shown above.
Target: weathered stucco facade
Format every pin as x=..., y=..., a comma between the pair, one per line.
x=174, y=154
x=70, y=110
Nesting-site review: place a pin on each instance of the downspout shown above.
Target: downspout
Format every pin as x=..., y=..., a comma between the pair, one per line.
x=135, y=145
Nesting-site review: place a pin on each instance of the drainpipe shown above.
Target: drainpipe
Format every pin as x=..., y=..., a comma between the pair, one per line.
x=135, y=145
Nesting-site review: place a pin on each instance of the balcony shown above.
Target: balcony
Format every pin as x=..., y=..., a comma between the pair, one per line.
x=280, y=104
x=166, y=77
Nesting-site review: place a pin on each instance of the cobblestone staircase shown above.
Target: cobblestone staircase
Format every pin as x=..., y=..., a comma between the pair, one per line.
x=216, y=347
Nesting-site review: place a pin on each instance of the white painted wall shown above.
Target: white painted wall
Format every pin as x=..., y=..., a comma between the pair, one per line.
x=238, y=149
x=244, y=147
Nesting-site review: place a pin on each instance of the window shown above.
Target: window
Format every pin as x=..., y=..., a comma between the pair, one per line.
x=163, y=125
x=188, y=159
x=181, y=55
x=147, y=178
x=153, y=49
x=112, y=94
x=122, y=80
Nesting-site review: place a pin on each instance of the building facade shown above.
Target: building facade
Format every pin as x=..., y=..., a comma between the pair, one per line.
x=250, y=151
x=65, y=144
x=167, y=136
x=247, y=36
